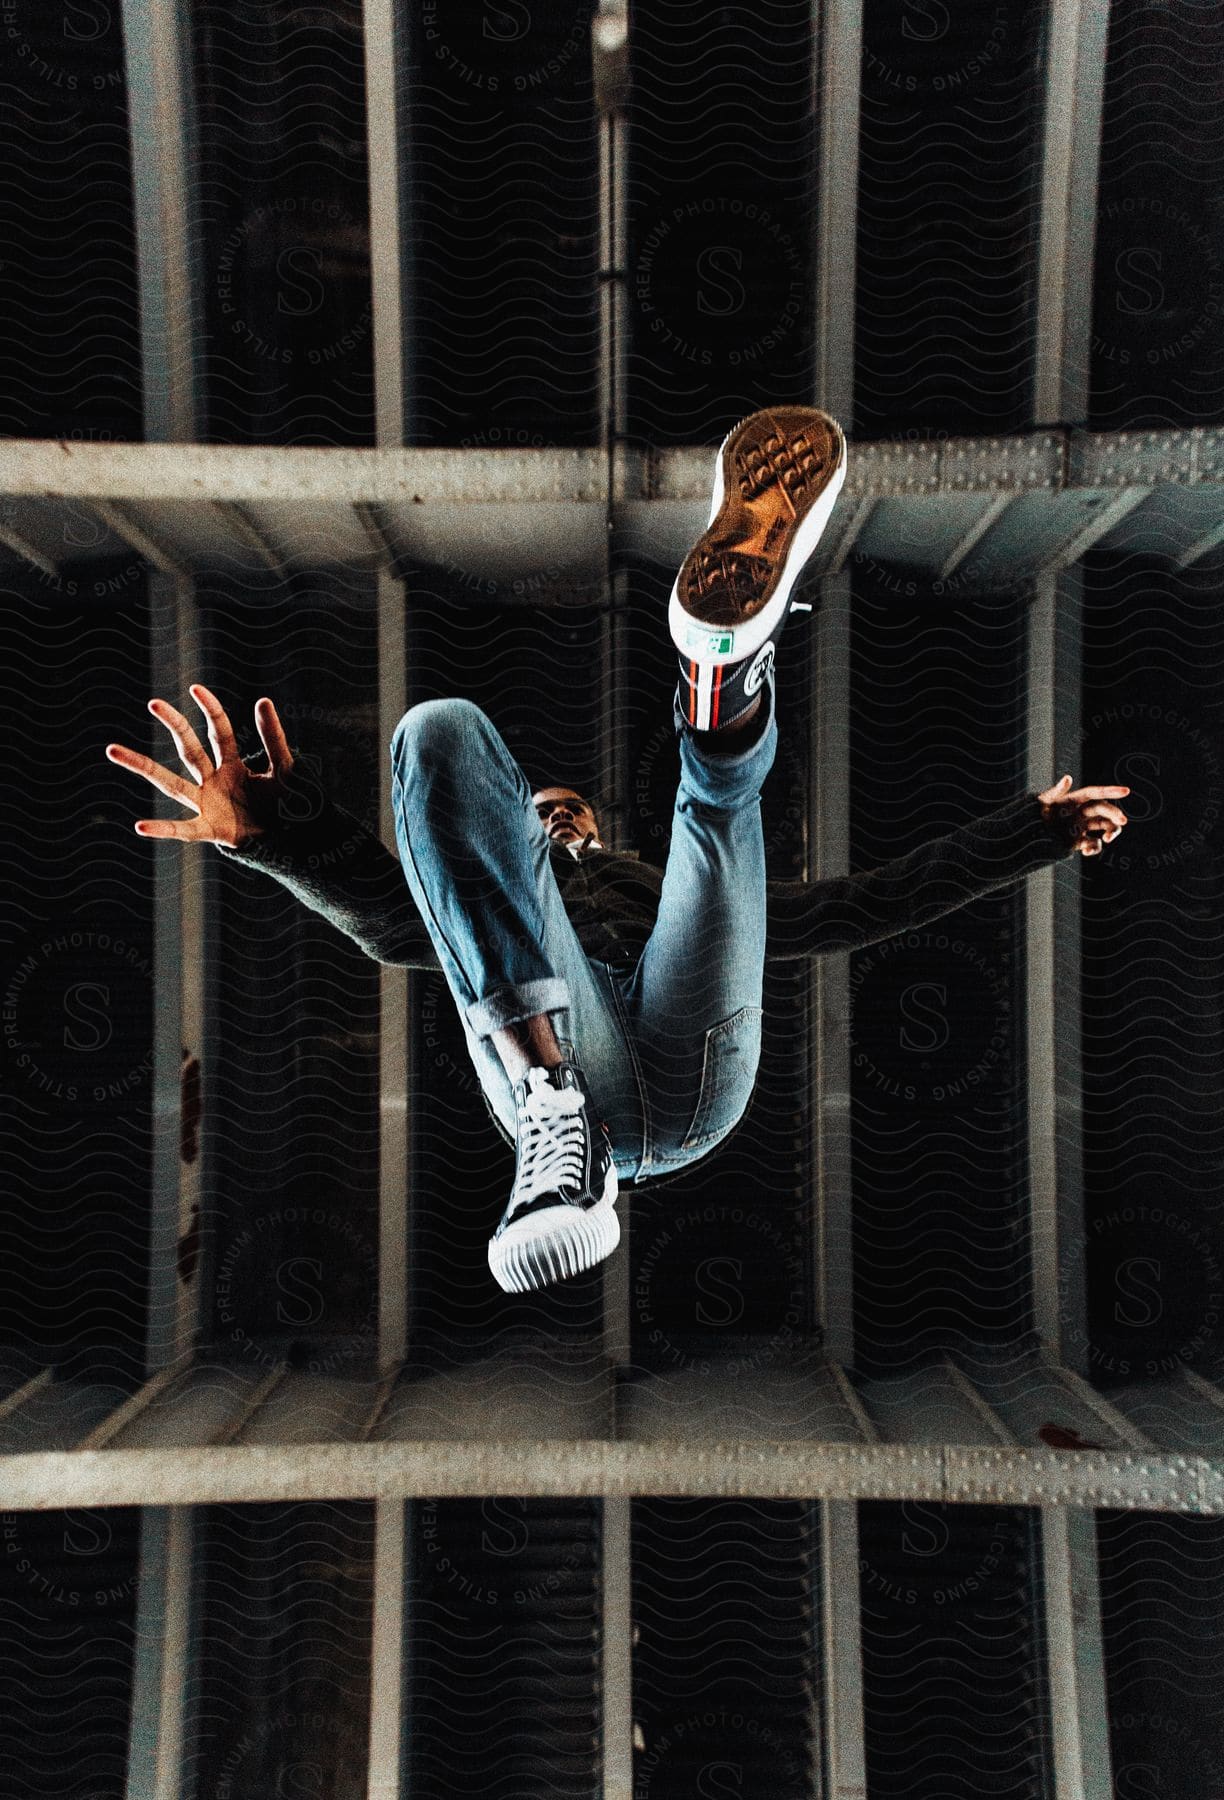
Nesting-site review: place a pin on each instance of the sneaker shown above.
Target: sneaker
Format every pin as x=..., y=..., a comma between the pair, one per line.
x=561, y=1215
x=776, y=479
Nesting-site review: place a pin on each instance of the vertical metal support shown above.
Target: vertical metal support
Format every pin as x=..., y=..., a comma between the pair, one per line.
x=181, y=964
x=845, y=1761
x=1075, y=1654
x=828, y=854
x=614, y=683
x=386, y=141
x=610, y=54
x=617, y=1650
x=163, y=1662
x=837, y=52
x=384, y=52
x=387, y=1652
x=1076, y=35
x=611, y=77
x=161, y=112
x=161, y=115
x=1055, y=1103
x=1079, y=1720
x=614, y=324
x=396, y=1151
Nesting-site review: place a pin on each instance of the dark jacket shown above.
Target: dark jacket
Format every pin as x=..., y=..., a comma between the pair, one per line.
x=340, y=868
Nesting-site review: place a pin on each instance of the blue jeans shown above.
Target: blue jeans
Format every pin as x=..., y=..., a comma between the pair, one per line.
x=669, y=1048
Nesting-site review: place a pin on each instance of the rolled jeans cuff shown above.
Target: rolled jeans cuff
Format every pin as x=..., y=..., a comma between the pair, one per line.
x=517, y=1000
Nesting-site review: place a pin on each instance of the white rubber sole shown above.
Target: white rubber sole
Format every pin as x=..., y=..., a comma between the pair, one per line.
x=692, y=637
x=558, y=1242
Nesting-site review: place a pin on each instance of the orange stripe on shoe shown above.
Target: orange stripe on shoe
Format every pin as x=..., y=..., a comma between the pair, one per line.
x=714, y=699
x=692, y=693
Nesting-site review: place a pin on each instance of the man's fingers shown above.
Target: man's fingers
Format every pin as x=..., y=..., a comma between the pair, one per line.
x=220, y=731
x=1078, y=795
x=272, y=736
x=168, y=828
x=1102, y=810
x=191, y=751
x=164, y=779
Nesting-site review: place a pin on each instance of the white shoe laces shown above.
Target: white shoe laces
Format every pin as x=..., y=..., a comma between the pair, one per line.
x=551, y=1139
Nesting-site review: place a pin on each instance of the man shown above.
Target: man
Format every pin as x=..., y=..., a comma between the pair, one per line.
x=612, y=1010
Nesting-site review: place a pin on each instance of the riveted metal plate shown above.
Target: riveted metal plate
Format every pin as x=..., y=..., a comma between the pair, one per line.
x=985, y=465
x=1208, y=444
x=1131, y=458
x=185, y=1475
x=1077, y=1478
x=1211, y=1488
x=894, y=467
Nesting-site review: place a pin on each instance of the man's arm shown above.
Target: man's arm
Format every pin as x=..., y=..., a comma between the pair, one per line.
x=815, y=918
x=338, y=867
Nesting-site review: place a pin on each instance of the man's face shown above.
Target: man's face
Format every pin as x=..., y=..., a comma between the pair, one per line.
x=565, y=815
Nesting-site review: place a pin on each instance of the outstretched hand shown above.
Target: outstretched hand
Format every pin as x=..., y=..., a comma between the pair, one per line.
x=1089, y=811
x=222, y=792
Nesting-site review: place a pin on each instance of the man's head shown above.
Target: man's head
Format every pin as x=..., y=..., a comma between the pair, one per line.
x=564, y=814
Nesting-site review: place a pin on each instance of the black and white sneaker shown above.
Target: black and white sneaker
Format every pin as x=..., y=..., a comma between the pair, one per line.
x=776, y=480
x=561, y=1217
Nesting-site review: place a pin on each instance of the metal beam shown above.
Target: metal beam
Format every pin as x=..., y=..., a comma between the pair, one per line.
x=164, y=1651
x=27, y=551
x=387, y=1652
x=994, y=1425
x=993, y=510
x=1202, y=546
x=862, y=1421
x=849, y=520
x=249, y=1405
x=397, y=1157
x=1076, y=35
x=1047, y=461
x=157, y=47
x=374, y=526
x=1109, y=513
x=256, y=474
x=837, y=31
x=1199, y=1385
x=1075, y=1656
x=182, y=962
x=378, y=1407
x=1052, y=959
x=133, y=533
x=828, y=855
x=239, y=523
x=131, y=1409
x=610, y=55
x=388, y=147
x=1162, y=1481
x=614, y=688
x=842, y=1651
x=13, y=1403
x=610, y=51
x=617, y=1650
x=161, y=116
x=1122, y=1428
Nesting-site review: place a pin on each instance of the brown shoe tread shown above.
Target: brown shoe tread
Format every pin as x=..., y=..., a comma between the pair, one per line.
x=776, y=464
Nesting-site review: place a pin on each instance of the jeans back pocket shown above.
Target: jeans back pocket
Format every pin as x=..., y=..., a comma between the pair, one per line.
x=728, y=1075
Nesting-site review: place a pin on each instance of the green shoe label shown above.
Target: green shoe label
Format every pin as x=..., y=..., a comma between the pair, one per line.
x=709, y=643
